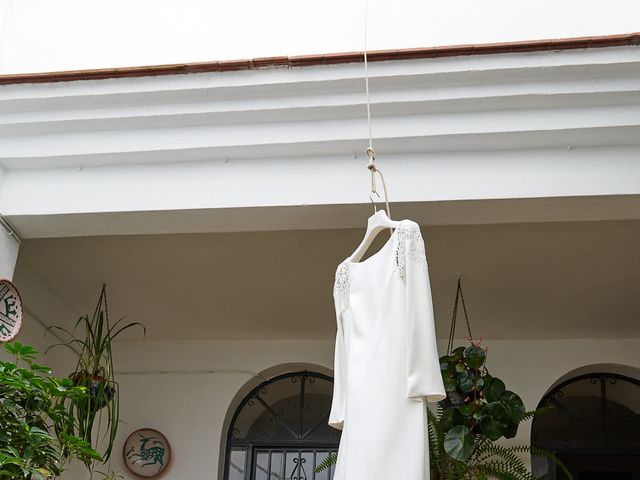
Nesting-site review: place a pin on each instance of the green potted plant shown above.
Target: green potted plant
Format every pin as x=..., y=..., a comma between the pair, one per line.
x=96, y=415
x=36, y=439
x=476, y=403
x=477, y=412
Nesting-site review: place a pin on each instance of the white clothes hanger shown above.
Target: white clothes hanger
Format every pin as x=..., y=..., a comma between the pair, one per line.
x=380, y=219
x=376, y=223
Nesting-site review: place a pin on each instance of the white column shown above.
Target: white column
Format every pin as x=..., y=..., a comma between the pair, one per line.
x=9, y=247
x=9, y=242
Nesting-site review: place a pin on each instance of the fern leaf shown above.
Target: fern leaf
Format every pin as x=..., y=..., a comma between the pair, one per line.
x=327, y=462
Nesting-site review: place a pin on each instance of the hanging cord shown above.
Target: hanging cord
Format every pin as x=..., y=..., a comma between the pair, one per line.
x=371, y=153
x=452, y=332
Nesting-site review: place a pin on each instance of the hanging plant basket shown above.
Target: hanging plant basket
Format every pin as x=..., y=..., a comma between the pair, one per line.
x=97, y=416
x=476, y=399
x=477, y=403
x=101, y=391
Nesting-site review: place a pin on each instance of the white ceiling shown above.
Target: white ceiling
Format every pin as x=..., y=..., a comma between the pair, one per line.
x=543, y=280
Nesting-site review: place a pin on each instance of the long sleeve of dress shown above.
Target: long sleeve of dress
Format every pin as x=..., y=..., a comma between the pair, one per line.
x=424, y=379
x=338, y=404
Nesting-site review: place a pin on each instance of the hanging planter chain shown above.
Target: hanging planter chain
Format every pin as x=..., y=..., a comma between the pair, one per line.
x=454, y=318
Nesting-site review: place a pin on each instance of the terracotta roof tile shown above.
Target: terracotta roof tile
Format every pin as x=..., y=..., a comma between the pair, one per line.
x=326, y=59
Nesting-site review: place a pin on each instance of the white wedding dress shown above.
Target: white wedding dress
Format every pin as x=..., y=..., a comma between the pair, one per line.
x=386, y=361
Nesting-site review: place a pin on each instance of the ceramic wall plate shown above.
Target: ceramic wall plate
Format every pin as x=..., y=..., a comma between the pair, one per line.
x=10, y=311
x=146, y=453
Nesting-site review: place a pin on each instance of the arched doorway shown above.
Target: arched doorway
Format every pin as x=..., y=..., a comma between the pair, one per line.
x=593, y=426
x=280, y=431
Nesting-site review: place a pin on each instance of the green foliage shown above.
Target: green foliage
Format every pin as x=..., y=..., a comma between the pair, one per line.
x=36, y=439
x=458, y=442
x=485, y=460
x=97, y=414
x=326, y=463
x=476, y=403
x=478, y=411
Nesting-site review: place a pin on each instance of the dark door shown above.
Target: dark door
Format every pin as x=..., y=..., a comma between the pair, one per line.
x=602, y=467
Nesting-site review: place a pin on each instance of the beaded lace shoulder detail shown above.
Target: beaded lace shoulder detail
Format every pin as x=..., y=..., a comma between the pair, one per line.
x=342, y=286
x=409, y=248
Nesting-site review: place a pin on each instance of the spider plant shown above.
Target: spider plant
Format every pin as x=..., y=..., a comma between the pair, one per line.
x=97, y=415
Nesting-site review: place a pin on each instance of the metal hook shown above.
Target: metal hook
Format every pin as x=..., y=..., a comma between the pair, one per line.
x=371, y=153
x=375, y=208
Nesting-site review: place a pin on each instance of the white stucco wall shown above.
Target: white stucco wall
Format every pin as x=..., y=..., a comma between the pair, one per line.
x=41, y=35
x=190, y=408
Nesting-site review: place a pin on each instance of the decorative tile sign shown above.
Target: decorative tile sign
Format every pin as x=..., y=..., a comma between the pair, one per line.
x=10, y=311
x=146, y=453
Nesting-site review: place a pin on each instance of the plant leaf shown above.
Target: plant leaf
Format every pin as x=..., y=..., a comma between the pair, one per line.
x=493, y=388
x=466, y=381
x=474, y=356
x=513, y=405
x=459, y=443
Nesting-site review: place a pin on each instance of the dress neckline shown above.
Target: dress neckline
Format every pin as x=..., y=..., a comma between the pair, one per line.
x=386, y=244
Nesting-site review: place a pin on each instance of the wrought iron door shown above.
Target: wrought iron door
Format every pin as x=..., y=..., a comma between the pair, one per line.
x=280, y=430
x=593, y=425
x=290, y=464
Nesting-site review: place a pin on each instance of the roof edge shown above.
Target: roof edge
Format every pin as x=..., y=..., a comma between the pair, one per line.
x=326, y=59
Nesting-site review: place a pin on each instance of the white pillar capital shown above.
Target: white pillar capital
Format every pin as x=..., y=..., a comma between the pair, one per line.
x=9, y=247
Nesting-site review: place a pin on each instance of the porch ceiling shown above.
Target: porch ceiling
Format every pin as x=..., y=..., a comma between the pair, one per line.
x=533, y=281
